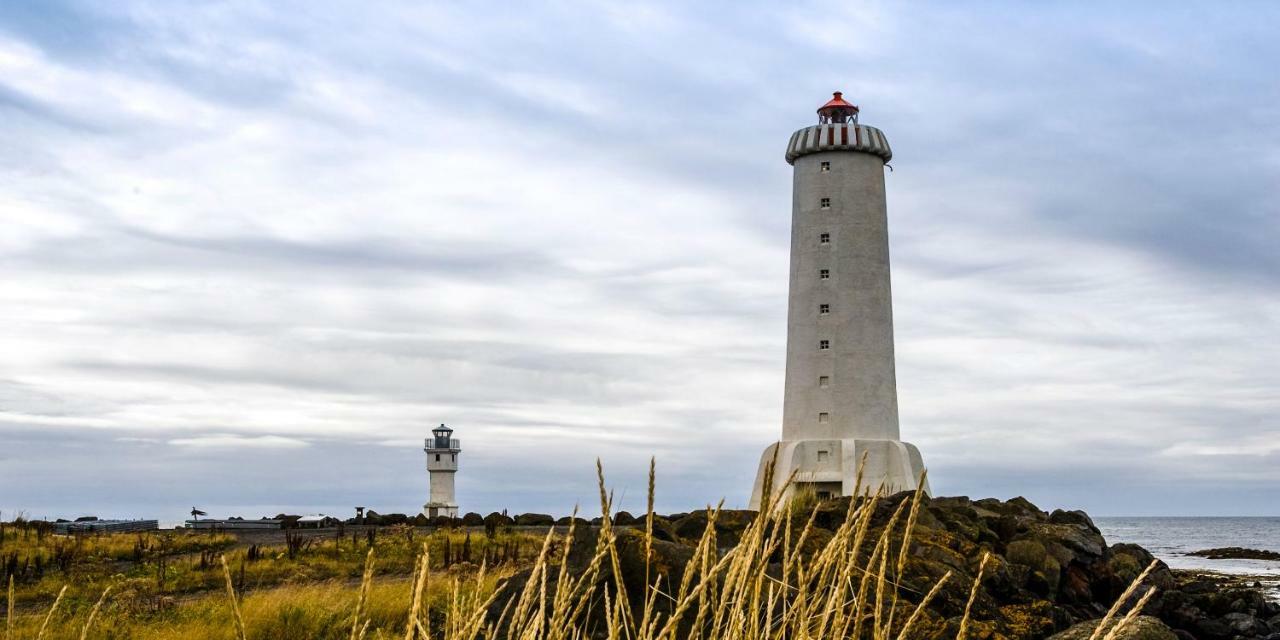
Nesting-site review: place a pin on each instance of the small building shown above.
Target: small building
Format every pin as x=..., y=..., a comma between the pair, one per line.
x=236, y=523
x=113, y=526
x=319, y=521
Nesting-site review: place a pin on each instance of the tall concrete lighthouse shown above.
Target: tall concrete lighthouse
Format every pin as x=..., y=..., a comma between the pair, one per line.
x=442, y=464
x=841, y=398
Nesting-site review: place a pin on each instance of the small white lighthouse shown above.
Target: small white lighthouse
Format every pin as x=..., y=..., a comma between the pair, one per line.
x=840, y=400
x=442, y=463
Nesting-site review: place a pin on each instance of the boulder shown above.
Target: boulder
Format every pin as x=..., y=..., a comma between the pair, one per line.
x=663, y=530
x=668, y=560
x=1243, y=624
x=472, y=519
x=1141, y=628
x=1030, y=553
x=534, y=520
x=1236, y=553
x=1017, y=507
x=729, y=526
x=1212, y=629
x=830, y=513
x=496, y=519
x=1139, y=558
x=1078, y=518
x=624, y=518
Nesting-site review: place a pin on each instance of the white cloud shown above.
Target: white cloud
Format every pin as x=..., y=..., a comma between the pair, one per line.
x=233, y=441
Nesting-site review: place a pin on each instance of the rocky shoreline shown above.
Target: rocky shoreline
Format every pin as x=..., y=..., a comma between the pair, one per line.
x=1235, y=553
x=1268, y=584
x=1049, y=573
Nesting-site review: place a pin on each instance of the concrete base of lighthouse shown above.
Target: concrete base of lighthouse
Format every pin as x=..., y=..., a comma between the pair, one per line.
x=830, y=467
x=434, y=509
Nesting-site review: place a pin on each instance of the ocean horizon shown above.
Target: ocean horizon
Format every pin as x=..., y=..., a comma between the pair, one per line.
x=1172, y=538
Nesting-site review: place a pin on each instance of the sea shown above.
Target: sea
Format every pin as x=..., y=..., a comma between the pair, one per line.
x=1171, y=539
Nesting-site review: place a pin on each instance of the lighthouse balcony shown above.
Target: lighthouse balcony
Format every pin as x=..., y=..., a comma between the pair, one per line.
x=442, y=444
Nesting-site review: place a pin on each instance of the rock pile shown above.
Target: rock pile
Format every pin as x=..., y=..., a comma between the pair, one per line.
x=1048, y=572
x=1236, y=553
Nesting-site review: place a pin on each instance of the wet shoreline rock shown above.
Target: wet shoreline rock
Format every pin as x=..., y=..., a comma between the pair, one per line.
x=1236, y=553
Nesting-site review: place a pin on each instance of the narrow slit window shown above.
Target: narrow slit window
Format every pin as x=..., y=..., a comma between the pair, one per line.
x=824, y=238
x=823, y=418
x=824, y=344
x=824, y=382
x=826, y=166
x=824, y=309
x=825, y=203
x=824, y=274
x=437, y=457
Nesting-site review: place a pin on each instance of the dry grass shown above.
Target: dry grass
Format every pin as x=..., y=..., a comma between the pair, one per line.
x=846, y=588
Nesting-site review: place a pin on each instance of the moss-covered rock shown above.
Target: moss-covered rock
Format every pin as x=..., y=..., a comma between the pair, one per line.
x=534, y=520
x=1030, y=553
x=1141, y=628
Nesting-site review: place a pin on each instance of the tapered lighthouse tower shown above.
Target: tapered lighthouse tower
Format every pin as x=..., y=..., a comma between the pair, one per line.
x=841, y=398
x=442, y=464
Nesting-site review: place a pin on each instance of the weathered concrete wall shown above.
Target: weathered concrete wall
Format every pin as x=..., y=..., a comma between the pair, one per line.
x=442, y=487
x=859, y=394
x=827, y=465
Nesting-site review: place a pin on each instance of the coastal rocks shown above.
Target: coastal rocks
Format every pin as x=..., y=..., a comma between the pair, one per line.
x=729, y=526
x=1074, y=518
x=534, y=520
x=1048, y=572
x=1236, y=553
x=1142, y=628
x=496, y=520
x=1243, y=624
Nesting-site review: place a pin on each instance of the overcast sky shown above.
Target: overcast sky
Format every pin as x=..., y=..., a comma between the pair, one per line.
x=251, y=253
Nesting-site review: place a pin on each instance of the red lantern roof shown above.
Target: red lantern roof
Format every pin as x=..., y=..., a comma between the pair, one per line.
x=837, y=110
x=837, y=101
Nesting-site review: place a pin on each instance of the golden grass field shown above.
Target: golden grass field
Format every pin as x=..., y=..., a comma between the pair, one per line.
x=205, y=586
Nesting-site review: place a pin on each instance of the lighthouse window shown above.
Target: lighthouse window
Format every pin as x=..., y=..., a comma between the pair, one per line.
x=826, y=166
x=826, y=203
x=437, y=457
x=824, y=344
x=823, y=418
x=824, y=274
x=824, y=381
x=453, y=457
x=822, y=455
x=824, y=238
x=824, y=309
